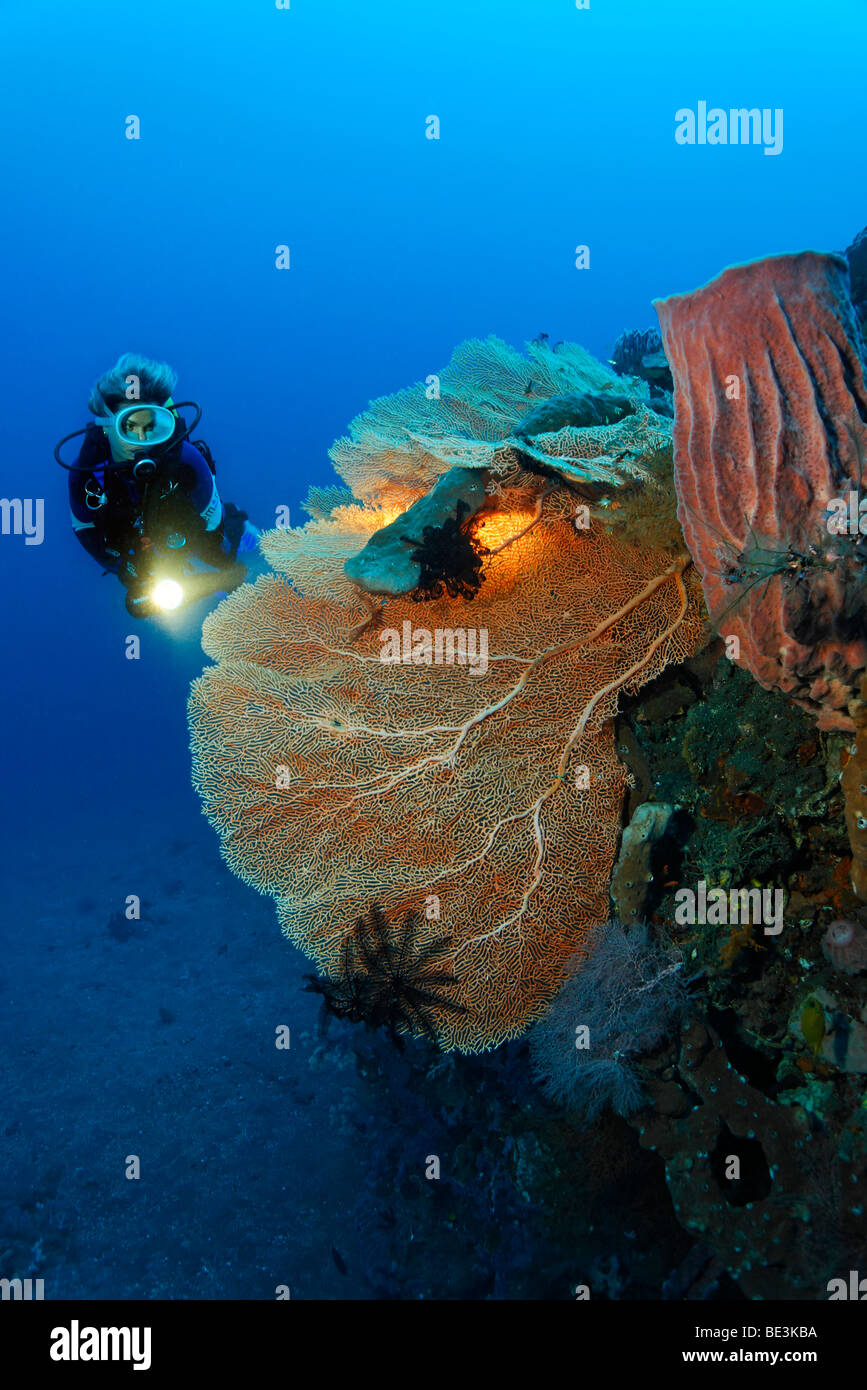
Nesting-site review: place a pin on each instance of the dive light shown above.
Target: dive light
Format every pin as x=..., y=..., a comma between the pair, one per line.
x=167, y=594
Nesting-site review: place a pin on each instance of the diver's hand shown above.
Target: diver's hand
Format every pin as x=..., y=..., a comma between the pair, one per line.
x=195, y=586
x=140, y=607
x=139, y=604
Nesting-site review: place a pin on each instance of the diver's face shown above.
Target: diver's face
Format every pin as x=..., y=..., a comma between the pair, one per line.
x=139, y=425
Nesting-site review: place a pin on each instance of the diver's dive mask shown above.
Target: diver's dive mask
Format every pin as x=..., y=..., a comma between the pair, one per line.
x=137, y=434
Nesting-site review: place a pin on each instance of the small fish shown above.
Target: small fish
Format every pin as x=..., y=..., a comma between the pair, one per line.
x=338, y=1260
x=529, y=389
x=813, y=1024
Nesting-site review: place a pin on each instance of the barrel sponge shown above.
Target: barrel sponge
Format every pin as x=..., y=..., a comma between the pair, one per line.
x=770, y=429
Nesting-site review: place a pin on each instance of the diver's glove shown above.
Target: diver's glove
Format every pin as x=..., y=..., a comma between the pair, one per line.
x=134, y=578
x=249, y=541
x=139, y=604
x=195, y=586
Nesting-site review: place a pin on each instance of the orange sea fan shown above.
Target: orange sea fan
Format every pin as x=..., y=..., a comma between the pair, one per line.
x=402, y=443
x=489, y=801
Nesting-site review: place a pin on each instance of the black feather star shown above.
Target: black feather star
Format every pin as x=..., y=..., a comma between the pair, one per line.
x=389, y=979
x=450, y=559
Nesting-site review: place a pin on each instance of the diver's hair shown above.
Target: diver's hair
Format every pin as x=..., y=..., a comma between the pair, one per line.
x=156, y=382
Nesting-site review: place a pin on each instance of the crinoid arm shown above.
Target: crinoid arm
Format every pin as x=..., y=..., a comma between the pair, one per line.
x=385, y=979
x=450, y=557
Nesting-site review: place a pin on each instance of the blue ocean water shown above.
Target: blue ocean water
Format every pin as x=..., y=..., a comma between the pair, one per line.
x=302, y=126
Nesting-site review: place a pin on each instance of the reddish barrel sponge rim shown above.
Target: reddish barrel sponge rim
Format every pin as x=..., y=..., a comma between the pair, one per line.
x=770, y=428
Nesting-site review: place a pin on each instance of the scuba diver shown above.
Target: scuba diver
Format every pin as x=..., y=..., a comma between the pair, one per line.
x=144, y=499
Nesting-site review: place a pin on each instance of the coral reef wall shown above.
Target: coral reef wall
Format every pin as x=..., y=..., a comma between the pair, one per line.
x=853, y=783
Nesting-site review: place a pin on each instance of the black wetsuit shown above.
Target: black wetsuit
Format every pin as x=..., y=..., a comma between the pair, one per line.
x=193, y=505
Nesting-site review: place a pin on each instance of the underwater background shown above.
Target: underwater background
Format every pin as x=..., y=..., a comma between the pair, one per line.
x=305, y=126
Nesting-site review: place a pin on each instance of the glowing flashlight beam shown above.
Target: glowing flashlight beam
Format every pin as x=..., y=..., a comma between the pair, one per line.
x=168, y=594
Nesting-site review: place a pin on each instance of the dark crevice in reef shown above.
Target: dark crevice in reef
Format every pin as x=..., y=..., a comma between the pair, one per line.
x=759, y=1068
x=754, y=1181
